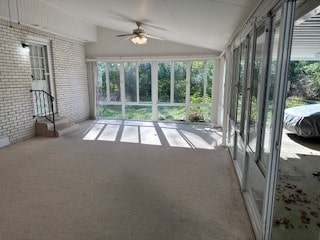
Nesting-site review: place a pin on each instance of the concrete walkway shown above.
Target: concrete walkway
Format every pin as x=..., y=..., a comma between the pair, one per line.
x=73, y=188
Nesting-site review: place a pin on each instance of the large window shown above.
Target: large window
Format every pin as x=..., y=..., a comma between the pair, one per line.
x=113, y=70
x=179, y=82
x=184, y=90
x=130, y=82
x=200, y=90
x=256, y=79
x=145, y=82
x=164, y=81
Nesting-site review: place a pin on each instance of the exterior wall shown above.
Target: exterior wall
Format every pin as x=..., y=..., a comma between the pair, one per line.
x=70, y=80
x=70, y=76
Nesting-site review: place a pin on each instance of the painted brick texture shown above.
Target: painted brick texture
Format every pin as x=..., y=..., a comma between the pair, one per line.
x=69, y=79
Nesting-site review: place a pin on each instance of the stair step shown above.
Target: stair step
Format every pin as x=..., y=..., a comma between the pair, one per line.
x=45, y=128
x=45, y=123
x=65, y=129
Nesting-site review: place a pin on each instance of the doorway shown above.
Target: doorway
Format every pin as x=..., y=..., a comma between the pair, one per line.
x=41, y=77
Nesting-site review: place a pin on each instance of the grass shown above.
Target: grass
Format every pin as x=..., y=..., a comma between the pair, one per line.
x=295, y=101
x=138, y=112
x=109, y=111
x=171, y=113
x=164, y=113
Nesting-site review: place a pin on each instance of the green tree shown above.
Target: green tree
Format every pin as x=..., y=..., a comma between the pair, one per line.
x=164, y=81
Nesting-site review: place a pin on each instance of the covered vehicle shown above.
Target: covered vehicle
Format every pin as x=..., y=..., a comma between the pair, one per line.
x=303, y=120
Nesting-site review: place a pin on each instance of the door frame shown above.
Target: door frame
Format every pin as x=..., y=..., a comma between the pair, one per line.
x=47, y=43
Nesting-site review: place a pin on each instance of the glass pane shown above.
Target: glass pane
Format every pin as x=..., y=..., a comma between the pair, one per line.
x=196, y=82
x=234, y=71
x=41, y=60
x=110, y=111
x=231, y=138
x=297, y=204
x=43, y=75
x=130, y=81
x=256, y=79
x=179, y=82
x=114, y=81
x=255, y=181
x=145, y=82
x=240, y=94
x=270, y=91
x=102, y=85
x=256, y=185
x=32, y=50
x=164, y=81
x=33, y=74
x=171, y=113
x=139, y=112
x=209, y=81
x=37, y=74
x=199, y=114
x=36, y=62
x=39, y=51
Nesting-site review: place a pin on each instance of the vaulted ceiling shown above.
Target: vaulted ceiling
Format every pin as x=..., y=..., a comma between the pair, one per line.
x=201, y=23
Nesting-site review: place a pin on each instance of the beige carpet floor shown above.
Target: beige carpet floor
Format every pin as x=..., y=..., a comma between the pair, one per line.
x=70, y=188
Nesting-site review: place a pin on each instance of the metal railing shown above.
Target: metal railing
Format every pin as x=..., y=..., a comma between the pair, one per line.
x=44, y=106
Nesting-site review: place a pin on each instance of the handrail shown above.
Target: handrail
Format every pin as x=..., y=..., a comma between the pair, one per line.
x=44, y=106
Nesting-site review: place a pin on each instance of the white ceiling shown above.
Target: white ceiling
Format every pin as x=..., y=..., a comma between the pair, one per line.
x=202, y=23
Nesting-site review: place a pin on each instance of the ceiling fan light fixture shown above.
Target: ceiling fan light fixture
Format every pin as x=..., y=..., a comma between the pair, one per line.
x=139, y=40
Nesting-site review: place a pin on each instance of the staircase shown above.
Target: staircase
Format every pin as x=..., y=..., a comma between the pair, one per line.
x=48, y=123
x=46, y=128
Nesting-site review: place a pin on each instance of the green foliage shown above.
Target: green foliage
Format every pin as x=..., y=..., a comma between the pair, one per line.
x=145, y=82
x=179, y=82
x=138, y=112
x=164, y=89
x=295, y=101
x=171, y=113
x=114, y=79
x=130, y=80
x=199, y=114
x=164, y=81
x=305, y=79
x=109, y=111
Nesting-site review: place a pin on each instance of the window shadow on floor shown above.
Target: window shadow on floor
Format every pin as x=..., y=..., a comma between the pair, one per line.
x=155, y=133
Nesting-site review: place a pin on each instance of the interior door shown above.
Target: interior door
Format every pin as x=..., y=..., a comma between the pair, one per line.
x=39, y=67
x=40, y=75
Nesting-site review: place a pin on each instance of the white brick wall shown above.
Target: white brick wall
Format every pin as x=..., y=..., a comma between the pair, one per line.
x=70, y=80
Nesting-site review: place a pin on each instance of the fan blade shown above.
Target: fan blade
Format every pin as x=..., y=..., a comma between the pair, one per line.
x=155, y=37
x=125, y=35
x=126, y=38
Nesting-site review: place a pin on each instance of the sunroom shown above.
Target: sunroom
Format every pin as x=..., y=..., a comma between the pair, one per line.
x=155, y=99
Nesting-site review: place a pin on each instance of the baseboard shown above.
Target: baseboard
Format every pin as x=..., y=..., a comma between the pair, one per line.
x=4, y=141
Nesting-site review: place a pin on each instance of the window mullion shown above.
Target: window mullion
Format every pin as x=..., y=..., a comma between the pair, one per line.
x=188, y=74
x=205, y=81
x=107, y=82
x=122, y=90
x=137, y=82
x=172, y=82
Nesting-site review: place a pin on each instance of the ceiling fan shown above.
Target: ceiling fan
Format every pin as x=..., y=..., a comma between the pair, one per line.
x=138, y=36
